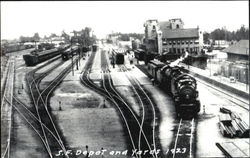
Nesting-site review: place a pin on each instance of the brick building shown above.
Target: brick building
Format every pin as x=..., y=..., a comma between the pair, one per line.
x=171, y=37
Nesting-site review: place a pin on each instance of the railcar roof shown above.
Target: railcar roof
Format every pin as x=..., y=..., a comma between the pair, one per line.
x=156, y=62
x=47, y=51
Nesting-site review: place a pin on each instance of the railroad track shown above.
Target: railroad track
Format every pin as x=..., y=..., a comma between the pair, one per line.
x=31, y=119
x=129, y=117
x=40, y=101
x=4, y=81
x=6, y=110
x=148, y=107
x=183, y=144
x=34, y=92
x=231, y=98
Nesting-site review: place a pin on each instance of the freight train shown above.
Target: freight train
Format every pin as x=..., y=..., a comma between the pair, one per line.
x=38, y=57
x=181, y=86
x=73, y=50
x=8, y=48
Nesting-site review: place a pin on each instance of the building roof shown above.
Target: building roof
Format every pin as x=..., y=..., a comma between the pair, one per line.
x=180, y=33
x=241, y=48
x=164, y=25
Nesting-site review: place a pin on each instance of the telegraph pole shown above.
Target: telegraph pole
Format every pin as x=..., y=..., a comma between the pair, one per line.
x=210, y=65
x=72, y=57
x=247, y=73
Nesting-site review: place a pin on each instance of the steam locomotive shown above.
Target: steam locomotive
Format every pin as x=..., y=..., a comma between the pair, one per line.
x=181, y=86
x=73, y=50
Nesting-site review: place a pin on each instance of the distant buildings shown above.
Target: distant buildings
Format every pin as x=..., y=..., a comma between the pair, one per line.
x=238, y=51
x=168, y=40
x=221, y=44
x=8, y=46
x=171, y=37
x=57, y=40
x=237, y=63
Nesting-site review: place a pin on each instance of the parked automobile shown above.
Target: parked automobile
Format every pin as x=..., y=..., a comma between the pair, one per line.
x=232, y=79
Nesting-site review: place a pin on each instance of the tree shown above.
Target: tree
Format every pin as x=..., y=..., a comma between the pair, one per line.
x=223, y=34
x=53, y=35
x=206, y=37
x=24, y=39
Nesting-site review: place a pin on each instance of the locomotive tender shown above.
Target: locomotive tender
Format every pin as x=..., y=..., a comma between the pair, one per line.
x=181, y=86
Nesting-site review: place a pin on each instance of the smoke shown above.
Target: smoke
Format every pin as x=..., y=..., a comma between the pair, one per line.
x=177, y=61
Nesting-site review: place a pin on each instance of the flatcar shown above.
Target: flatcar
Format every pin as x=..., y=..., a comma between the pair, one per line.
x=73, y=50
x=181, y=86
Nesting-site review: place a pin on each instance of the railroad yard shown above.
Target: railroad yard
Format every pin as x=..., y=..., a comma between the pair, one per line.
x=102, y=109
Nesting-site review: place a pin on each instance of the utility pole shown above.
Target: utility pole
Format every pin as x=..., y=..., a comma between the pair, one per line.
x=79, y=54
x=210, y=65
x=247, y=73
x=72, y=57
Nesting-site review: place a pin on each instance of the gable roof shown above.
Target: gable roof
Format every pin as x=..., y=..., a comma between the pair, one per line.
x=180, y=33
x=241, y=48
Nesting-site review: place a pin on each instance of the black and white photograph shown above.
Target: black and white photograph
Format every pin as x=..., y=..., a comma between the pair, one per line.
x=125, y=79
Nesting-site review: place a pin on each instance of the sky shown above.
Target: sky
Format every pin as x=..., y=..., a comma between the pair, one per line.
x=27, y=18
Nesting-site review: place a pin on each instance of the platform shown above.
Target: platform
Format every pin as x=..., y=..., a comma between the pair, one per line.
x=235, y=149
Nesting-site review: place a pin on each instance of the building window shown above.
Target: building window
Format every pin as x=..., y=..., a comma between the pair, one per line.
x=174, y=50
x=191, y=42
x=177, y=26
x=178, y=42
x=182, y=42
x=153, y=27
x=187, y=42
x=179, y=51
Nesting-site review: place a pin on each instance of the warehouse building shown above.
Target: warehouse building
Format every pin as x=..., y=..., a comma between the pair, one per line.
x=237, y=64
